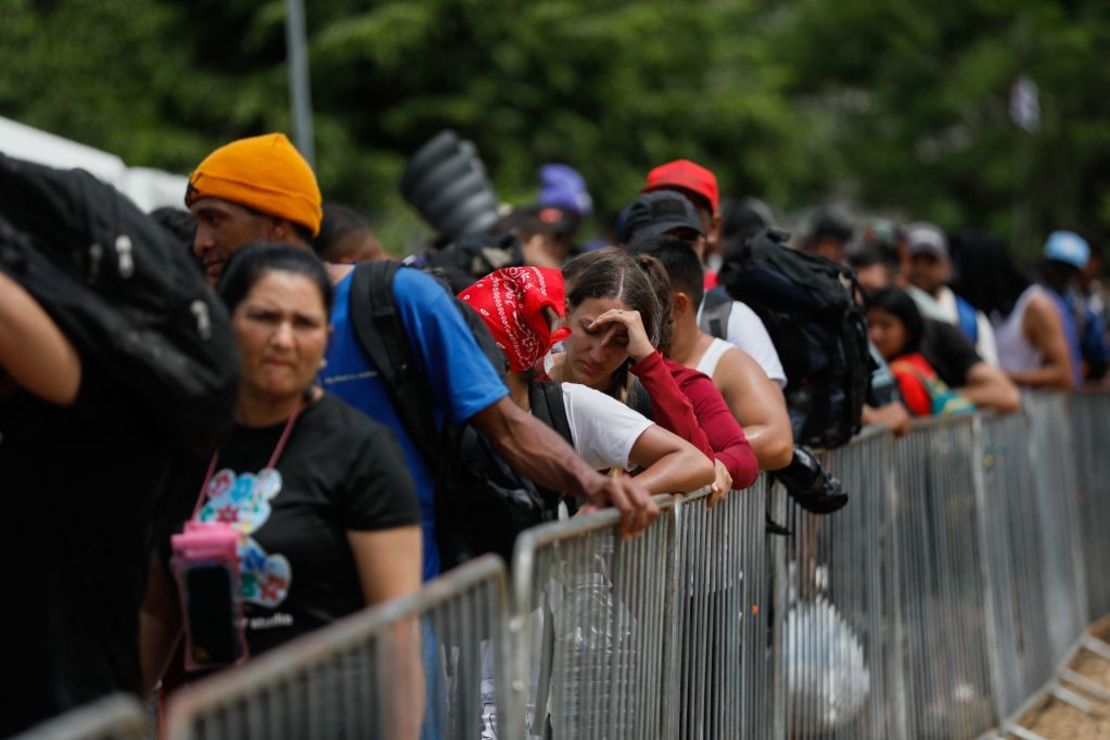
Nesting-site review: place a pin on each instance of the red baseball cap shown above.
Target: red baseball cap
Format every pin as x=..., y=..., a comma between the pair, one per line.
x=684, y=175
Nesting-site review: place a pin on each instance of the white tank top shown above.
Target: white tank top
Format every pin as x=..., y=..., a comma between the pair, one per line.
x=1015, y=353
x=708, y=362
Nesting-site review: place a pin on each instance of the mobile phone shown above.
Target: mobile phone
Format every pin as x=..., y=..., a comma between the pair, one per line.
x=211, y=616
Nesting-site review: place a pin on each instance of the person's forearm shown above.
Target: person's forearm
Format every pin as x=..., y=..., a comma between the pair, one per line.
x=670, y=407
x=772, y=447
x=742, y=465
x=33, y=350
x=892, y=415
x=681, y=471
x=1043, y=377
x=535, y=451
x=999, y=394
x=159, y=626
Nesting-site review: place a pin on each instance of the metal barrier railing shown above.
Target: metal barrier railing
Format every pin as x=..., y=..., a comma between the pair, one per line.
x=971, y=556
x=116, y=717
x=840, y=658
x=421, y=666
x=596, y=625
x=946, y=669
x=723, y=604
x=1090, y=414
x=1013, y=566
x=1054, y=468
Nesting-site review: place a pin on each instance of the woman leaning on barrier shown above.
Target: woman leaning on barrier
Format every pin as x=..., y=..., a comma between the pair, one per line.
x=523, y=308
x=306, y=513
x=618, y=329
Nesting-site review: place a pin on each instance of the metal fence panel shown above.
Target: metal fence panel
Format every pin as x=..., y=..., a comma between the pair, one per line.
x=1054, y=469
x=932, y=606
x=840, y=648
x=1013, y=566
x=116, y=717
x=946, y=668
x=722, y=684
x=596, y=615
x=1090, y=414
x=427, y=666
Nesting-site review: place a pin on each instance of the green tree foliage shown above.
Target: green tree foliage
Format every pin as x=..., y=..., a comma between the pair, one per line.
x=900, y=106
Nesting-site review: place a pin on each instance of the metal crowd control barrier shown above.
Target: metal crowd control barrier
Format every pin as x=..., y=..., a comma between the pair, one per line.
x=116, y=717
x=840, y=659
x=946, y=665
x=1014, y=577
x=595, y=627
x=723, y=682
x=1054, y=468
x=424, y=666
x=1090, y=414
x=935, y=605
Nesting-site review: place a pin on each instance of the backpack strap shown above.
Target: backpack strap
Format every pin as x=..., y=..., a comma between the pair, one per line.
x=546, y=401
x=715, y=311
x=383, y=338
x=968, y=319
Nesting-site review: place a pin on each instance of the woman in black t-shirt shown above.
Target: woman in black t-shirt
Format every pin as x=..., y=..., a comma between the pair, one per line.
x=326, y=513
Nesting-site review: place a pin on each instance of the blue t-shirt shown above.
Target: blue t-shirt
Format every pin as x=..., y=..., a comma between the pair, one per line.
x=462, y=380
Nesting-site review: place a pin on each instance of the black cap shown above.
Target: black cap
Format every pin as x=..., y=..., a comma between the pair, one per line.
x=655, y=213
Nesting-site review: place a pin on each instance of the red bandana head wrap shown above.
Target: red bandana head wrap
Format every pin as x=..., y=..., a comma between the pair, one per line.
x=511, y=302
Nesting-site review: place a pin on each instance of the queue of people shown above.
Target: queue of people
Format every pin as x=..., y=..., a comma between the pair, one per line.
x=374, y=424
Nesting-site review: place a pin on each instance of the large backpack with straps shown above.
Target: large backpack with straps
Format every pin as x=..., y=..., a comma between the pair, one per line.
x=812, y=309
x=126, y=296
x=383, y=338
x=471, y=481
x=490, y=503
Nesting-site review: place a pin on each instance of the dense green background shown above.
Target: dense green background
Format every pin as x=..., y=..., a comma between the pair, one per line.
x=898, y=107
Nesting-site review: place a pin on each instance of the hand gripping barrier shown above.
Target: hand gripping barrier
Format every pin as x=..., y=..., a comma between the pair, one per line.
x=433, y=659
x=595, y=627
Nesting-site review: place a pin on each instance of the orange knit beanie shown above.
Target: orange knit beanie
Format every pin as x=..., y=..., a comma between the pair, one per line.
x=265, y=173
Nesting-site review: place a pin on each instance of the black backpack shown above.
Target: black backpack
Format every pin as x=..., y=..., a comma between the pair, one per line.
x=479, y=499
x=126, y=295
x=489, y=503
x=812, y=308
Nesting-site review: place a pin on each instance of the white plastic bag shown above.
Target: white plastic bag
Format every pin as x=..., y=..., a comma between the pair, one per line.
x=827, y=676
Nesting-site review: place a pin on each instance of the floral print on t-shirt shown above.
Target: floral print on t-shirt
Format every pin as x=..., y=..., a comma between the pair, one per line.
x=243, y=503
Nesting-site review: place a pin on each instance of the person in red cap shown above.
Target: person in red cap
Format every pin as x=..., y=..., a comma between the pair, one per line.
x=700, y=186
x=739, y=325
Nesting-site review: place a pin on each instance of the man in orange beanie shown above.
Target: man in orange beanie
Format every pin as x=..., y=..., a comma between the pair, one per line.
x=255, y=189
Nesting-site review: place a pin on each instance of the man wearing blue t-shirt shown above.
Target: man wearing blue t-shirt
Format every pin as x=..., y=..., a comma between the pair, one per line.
x=466, y=388
x=465, y=385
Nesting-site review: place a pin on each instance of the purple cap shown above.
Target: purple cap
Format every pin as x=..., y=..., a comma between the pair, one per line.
x=562, y=187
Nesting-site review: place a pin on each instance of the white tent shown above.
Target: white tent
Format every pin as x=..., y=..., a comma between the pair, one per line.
x=148, y=188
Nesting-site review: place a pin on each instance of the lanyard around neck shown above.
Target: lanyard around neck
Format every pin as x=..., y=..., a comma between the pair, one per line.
x=274, y=456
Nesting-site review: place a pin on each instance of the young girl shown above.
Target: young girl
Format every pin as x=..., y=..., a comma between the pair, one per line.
x=896, y=328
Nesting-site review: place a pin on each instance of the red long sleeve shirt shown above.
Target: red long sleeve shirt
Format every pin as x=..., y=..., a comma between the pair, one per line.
x=687, y=403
